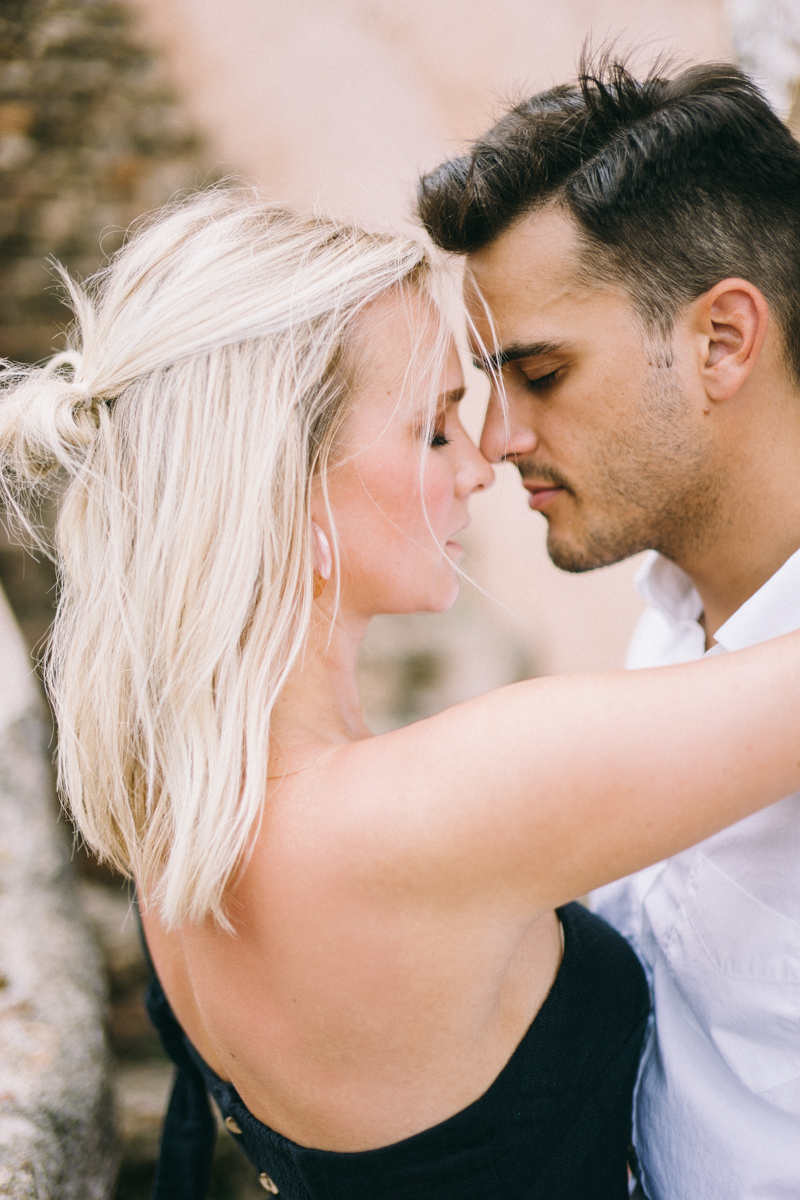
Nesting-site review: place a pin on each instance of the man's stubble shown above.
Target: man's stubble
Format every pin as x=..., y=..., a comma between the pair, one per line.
x=655, y=485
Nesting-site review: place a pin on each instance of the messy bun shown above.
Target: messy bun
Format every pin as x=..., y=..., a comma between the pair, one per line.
x=48, y=419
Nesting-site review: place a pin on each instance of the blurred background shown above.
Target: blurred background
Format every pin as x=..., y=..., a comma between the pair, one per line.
x=109, y=109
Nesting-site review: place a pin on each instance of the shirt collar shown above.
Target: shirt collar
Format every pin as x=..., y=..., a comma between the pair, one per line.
x=666, y=587
x=771, y=611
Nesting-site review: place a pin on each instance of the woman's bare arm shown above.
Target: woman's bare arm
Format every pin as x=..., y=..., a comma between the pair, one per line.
x=545, y=789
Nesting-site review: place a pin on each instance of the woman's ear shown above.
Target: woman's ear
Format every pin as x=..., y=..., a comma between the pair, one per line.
x=323, y=559
x=731, y=323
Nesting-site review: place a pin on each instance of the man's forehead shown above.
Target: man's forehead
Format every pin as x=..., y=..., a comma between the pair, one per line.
x=534, y=285
x=540, y=252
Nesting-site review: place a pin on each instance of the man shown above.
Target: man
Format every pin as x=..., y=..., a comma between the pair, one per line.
x=633, y=279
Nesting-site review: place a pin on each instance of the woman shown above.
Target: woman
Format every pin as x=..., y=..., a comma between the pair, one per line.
x=358, y=941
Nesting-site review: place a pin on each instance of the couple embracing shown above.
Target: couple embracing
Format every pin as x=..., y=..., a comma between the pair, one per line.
x=367, y=950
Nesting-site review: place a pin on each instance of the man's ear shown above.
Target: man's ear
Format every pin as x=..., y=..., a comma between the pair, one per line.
x=730, y=323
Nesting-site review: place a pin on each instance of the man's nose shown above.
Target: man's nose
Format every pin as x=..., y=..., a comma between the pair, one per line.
x=506, y=432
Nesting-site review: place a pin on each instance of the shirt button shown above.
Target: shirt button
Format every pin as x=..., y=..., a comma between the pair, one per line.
x=231, y=1124
x=268, y=1184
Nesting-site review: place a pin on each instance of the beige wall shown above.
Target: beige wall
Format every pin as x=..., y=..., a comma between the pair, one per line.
x=343, y=102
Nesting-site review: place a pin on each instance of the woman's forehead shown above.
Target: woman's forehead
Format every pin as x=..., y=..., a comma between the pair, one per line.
x=400, y=327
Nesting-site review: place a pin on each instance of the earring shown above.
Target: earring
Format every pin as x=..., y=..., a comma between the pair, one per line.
x=323, y=560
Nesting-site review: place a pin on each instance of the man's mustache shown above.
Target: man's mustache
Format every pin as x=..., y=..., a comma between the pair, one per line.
x=533, y=472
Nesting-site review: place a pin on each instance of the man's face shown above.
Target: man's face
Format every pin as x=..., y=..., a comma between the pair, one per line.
x=604, y=421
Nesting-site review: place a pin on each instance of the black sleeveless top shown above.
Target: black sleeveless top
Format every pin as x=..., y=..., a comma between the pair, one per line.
x=554, y=1125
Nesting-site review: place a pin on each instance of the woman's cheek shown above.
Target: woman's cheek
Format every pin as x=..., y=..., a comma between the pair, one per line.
x=439, y=497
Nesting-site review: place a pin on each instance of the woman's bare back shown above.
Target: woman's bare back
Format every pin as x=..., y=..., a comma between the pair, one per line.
x=347, y=1014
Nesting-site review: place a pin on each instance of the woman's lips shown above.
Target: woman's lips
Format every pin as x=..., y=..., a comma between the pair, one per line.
x=540, y=497
x=454, y=548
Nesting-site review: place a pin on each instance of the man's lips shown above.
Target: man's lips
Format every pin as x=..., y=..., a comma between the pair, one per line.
x=541, y=494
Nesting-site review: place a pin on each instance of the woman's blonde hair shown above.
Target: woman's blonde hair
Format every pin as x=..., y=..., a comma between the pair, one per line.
x=202, y=397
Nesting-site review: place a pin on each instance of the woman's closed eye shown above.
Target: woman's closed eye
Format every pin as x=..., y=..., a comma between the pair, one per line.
x=437, y=430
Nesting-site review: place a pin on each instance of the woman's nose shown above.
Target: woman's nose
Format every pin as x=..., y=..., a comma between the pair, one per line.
x=476, y=473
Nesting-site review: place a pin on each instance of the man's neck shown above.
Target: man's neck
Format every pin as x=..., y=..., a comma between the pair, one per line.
x=752, y=455
x=741, y=560
x=756, y=523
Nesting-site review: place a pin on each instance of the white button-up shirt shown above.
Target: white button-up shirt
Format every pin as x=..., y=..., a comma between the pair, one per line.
x=717, y=1102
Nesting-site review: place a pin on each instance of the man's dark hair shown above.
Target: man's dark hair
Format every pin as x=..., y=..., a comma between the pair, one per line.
x=675, y=184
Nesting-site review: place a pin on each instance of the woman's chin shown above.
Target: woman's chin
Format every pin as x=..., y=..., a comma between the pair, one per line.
x=439, y=600
x=448, y=597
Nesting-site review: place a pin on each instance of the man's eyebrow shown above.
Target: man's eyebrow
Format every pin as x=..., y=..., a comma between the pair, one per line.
x=495, y=362
x=454, y=396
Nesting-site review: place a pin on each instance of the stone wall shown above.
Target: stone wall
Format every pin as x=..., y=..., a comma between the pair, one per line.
x=90, y=137
x=57, y=1136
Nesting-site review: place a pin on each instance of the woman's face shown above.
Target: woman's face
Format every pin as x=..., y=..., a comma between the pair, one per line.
x=399, y=496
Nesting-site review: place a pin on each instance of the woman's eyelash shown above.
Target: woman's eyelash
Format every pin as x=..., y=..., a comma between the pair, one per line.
x=440, y=439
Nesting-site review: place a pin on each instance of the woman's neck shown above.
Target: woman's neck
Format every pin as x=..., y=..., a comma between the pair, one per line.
x=320, y=703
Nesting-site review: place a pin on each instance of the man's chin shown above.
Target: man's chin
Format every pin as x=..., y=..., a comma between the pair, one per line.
x=579, y=558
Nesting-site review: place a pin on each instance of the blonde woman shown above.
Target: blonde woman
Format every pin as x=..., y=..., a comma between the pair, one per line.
x=363, y=945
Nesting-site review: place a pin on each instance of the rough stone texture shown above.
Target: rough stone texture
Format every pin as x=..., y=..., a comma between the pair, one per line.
x=90, y=137
x=57, y=1139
